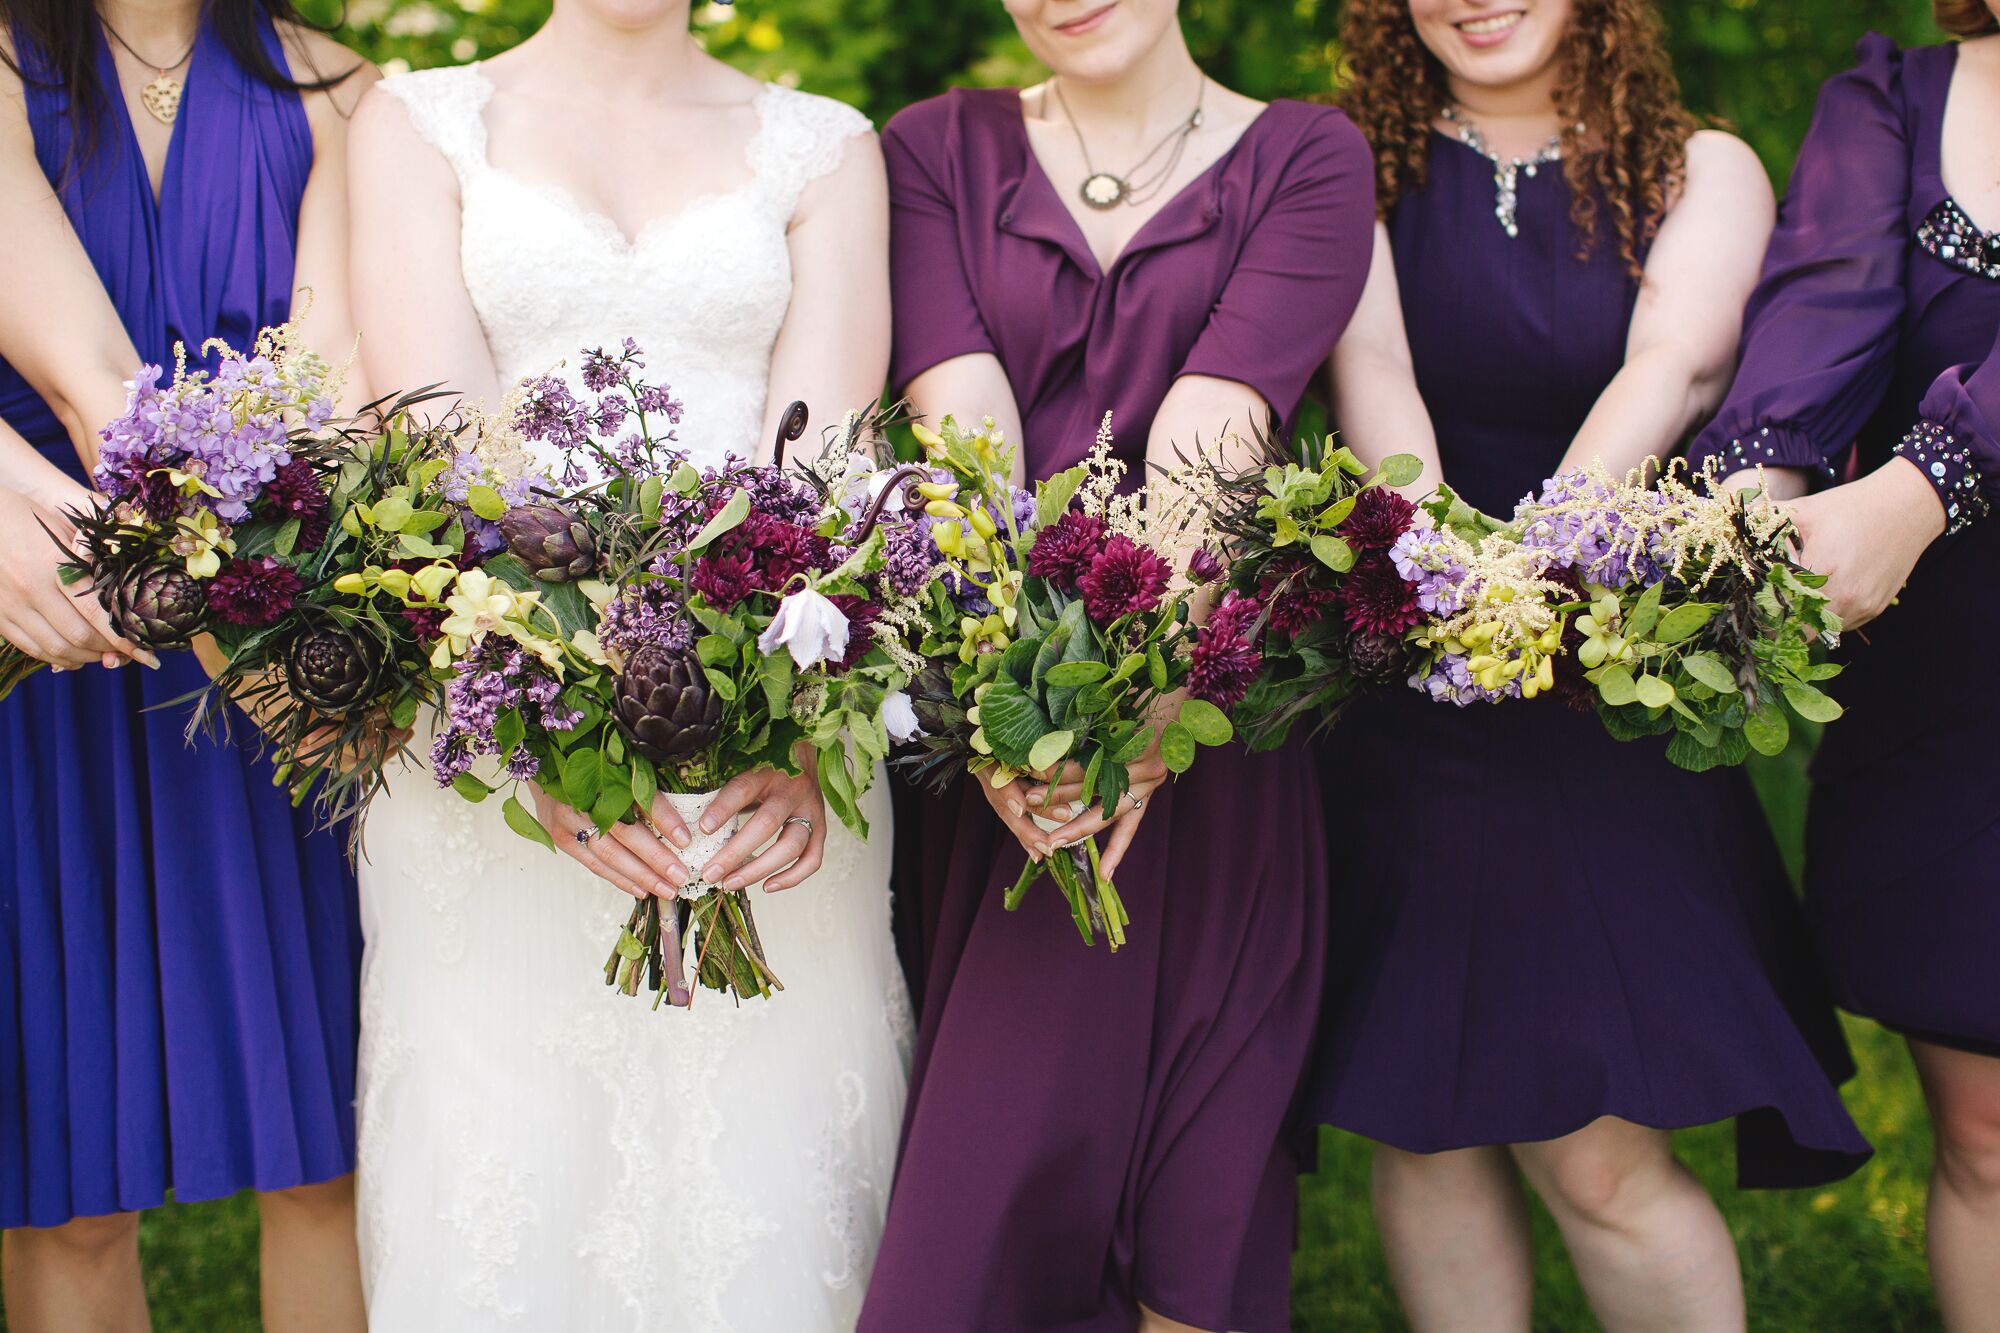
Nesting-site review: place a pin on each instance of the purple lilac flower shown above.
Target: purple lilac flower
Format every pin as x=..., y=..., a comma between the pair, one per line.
x=1423, y=556
x=646, y=614
x=497, y=678
x=1599, y=543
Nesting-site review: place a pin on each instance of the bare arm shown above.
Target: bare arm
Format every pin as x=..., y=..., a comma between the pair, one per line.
x=833, y=351
x=969, y=388
x=1681, y=350
x=417, y=322
x=80, y=359
x=1376, y=405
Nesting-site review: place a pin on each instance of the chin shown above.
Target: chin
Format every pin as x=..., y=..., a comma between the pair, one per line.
x=1092, y=41
x=635, y=15
x=1493, y=43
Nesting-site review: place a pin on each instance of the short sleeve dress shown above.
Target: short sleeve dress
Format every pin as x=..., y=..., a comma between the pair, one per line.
x=1087, y=1131
x=1873, y=331
x=1536, y=925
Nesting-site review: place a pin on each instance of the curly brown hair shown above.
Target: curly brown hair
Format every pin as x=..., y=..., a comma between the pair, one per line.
x=1964, y=18
x=1625, y=131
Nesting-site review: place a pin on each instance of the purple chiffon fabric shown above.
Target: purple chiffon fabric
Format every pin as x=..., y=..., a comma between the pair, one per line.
x=1086, y=1131
x=1857, y=332
x=179, y=951
x=1536, y=925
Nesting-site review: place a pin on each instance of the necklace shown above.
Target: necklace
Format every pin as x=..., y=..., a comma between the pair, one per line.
x=1507, y=172
x=1106, y=190
x=161, y=97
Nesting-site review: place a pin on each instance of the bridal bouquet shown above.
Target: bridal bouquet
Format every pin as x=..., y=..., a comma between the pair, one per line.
x=1053, y=631
x=636, y=626
x=1318, y=607
x=229, y=507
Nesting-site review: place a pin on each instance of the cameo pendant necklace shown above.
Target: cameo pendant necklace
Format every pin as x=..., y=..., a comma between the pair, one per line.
x=1104, y=190
x=161, y=97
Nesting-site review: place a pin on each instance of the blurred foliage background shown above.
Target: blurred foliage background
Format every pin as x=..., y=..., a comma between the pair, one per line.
x=1755, y=64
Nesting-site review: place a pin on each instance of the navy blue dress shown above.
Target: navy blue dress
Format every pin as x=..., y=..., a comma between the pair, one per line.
x=1878, y=300
x=179, y=952
x=1535, y=925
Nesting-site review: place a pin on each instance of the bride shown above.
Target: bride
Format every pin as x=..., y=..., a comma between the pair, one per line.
x=535, y=1150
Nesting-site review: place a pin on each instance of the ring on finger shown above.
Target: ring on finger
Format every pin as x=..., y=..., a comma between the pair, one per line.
x=586, y=835
x=805, y=821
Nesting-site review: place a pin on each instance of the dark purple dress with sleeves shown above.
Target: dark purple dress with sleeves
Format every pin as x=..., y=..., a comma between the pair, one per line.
x=1536, y=925
x=1087, y=1131
x=179, y=951
x=1878, y=311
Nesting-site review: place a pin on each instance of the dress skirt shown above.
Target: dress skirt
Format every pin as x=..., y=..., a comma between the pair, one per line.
x=1536, y=925
x=1125, y=1116
x=179, y=957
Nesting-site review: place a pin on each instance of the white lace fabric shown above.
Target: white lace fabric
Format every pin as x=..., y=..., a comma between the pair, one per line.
x=537, y=1152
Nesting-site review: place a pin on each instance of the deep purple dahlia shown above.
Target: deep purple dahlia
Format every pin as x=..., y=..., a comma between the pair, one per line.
x=253, y=592
x=1378, y=518
x=1124, y=579
x=1377, y=600
x=295, y=493
x=1063, y=551
x=1225, y=657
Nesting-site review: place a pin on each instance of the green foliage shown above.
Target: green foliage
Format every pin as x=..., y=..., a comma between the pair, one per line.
x=1756, y=65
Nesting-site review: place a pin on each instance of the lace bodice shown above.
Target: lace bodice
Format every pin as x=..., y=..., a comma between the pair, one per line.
x=703, y=289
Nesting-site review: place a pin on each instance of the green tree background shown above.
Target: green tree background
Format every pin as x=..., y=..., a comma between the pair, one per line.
x=1845, y=1258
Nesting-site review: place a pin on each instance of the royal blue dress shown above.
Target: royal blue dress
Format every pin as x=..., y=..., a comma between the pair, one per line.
x=179, y=951
x=1879, y=302
x=1534, y=924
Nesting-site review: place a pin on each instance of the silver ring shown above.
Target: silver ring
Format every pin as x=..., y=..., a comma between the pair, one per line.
x=1138, y=801
x=800, y=819
x=584, y=836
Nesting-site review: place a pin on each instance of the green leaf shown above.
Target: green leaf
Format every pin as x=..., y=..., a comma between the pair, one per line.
x=1132, y=747
x=1710, y=671
x=485, y=502
x=525, y=824
x=1683, y=622
x=1767, y=729
x=613, y=803
x=582, y=778
x=776, y=673
x=1205, y=722
x=1156, y=667
x=1332, y=552
x=645, y=785
x=732, y=513
x=722, y=683
x=1177, y=747
x=471, y=788
x=1615, y=685
x=1069, y=675
x=1013, y=722
x=1049, y=751
x=1645, y=614
x=1129, y=667
x=651, y=492
x=1812, y=704
x=714, y=650
x=390, y=513
x=1653, y=691
x=1400, y=469
x=404, y=713
x=1052, y=497
x=286, y=539
x=629, y=947
x=509, y=731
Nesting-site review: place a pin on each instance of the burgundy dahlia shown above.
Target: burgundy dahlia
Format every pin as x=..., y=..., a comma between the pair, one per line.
x=1124, y=579
x=1063, y=551
x=295, y=493
x=1379, y=517
x=1377, y=600
x=1225, y=658
x=780, y=550
x=253, y=592
x=725, y=577
x=861, y=616
x=1204, y=566
x=1296, y=601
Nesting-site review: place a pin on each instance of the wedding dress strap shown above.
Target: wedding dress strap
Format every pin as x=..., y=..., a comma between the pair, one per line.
x=802, y=138
x=447, y=106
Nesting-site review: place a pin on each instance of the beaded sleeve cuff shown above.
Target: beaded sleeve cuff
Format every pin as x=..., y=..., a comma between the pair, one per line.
x=1948, y=467
x=1769, y=446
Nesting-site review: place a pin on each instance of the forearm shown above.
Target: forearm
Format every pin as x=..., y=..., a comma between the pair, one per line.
x=1378, y=413
x=1645, y=411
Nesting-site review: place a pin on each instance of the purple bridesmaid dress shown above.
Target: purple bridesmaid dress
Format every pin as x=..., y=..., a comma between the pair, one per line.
x=1879, y=296
x=179, y=951
x=1536, y=925
x=1087, y=1131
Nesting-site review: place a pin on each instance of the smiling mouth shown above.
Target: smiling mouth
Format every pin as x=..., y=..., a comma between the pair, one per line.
x=1087, y=22
x=1491, y=26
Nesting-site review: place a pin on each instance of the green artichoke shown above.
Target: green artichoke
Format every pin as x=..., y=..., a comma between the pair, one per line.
x=665, y=706
x=556, y=545
x=332, y=669
x=158, y=605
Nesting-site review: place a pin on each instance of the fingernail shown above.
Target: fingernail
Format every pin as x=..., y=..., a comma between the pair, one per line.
x=713, y=874
x=662, y=890
x=680, y=837
x=732, y=884
x=1015, y=809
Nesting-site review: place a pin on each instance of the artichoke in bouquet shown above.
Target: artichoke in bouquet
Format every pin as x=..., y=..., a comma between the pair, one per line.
x=1377, y=659
x=332, y=669
x=159, y=605
x=556, y=545
x=665, y=705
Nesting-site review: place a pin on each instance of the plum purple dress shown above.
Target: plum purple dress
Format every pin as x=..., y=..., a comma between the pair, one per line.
x=1879, y=303
x=1536, y=925
x=1088, y=1131
x=179, y=952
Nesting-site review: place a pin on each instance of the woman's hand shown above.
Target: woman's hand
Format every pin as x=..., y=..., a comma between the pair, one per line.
x=1148, y=775
x=785, y=808
x=63, y=626
x=1866, y=537
x=629, y=856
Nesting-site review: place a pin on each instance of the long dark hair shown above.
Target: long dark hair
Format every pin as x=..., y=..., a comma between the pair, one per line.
x=1965, y=18
x=61, y=33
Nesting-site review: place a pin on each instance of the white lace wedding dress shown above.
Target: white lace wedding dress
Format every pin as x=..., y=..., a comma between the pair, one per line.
x=537, y=1152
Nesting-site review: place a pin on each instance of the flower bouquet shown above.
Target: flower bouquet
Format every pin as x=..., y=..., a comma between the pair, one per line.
x=229, y=507
x=636, y=627
x=1053, y=632
x=1318, y=608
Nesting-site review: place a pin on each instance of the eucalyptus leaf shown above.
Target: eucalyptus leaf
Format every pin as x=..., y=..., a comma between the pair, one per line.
x=1205, y=722
x=1049, y=751
x=485, y=502
x=1767, y=729
x=1332, y=552
x=1710, y=671
x=1683, y=622
x=1645, y=614
x=1073, y=674
x=1177, y=747
x=1399, y=469
x=1615, y=685
x=1653, y=691
x=1811, y=703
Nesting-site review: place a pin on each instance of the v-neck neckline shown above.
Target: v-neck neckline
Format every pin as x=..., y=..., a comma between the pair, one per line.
x=1139, y=240
x=1944, y=186
x=176, y=133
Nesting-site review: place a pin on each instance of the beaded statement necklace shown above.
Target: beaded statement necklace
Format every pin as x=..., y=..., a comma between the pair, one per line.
x=1507, y=172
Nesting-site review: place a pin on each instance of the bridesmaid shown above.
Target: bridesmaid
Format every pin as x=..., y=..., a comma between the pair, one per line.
x=178, y=951
x=1098, y=1141
x=1879, y=302
x=1518, y=986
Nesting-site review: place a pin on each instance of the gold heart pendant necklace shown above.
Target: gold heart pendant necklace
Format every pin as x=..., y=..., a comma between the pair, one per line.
x=161, y=97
